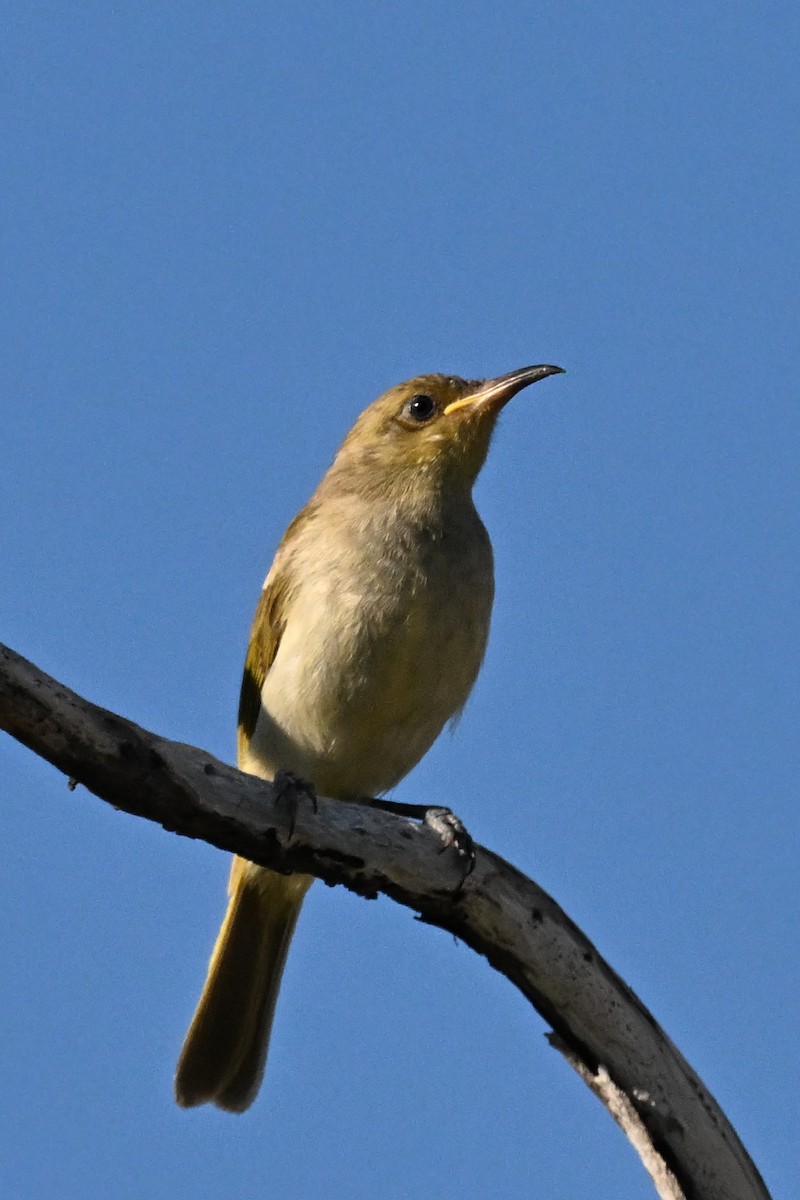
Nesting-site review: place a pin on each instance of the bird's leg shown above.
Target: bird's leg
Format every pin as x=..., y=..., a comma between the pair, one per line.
x=288, y=790
x=450, y=828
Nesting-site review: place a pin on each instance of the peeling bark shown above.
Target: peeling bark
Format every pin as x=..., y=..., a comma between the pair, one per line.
x=599, y=1025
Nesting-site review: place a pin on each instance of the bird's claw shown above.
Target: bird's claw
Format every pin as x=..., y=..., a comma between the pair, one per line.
x=289, y=788
x=452, y=833
x=442, y=821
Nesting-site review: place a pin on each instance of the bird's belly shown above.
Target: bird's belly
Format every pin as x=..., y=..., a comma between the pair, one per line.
x=362, y=684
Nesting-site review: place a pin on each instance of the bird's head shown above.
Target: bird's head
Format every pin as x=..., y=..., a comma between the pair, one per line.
x=435, y=428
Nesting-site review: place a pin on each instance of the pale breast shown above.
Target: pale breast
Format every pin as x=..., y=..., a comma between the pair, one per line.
x=383, y=642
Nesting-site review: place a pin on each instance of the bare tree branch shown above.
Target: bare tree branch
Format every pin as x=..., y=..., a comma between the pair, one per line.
x=628, y=1119
x=604, y=1031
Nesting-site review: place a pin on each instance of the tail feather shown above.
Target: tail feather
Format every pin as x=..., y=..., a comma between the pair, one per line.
x=225, y=1051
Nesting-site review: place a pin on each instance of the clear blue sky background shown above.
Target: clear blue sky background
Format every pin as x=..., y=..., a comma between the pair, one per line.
x=226, y=228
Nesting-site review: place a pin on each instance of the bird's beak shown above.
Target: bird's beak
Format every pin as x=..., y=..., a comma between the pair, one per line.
x=494, y=393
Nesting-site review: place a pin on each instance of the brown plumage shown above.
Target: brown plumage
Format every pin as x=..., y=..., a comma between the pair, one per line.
x=367, y=639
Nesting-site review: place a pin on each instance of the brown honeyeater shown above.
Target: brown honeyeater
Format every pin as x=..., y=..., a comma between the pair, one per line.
x=367, y=639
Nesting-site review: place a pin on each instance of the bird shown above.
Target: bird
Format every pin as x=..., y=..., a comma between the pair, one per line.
x=367, y=639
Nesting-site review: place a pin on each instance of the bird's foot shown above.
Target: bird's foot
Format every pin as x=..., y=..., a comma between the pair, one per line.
x=289, y=789
x=452, y=831
x=442, y=821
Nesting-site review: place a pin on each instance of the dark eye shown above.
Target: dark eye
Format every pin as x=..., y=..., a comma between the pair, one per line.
x=419, y=408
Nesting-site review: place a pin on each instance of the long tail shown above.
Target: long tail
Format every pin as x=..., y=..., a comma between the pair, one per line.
x=223, y=1057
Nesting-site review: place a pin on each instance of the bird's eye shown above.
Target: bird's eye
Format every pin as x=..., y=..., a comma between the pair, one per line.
x=420, y=408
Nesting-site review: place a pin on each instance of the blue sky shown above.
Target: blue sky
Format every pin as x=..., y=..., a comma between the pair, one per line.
x=226, y=229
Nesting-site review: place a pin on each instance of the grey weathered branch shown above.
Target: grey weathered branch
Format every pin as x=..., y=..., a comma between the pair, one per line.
x=604, y=1031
